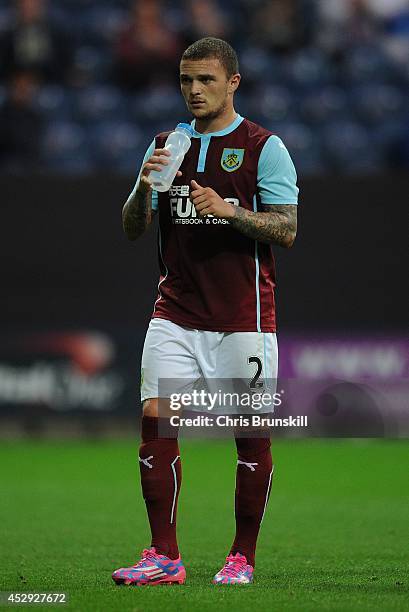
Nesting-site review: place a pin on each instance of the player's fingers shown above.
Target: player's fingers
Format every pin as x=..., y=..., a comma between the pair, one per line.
x=199, y=200
x=158, y=152
x=201, y=207
x=149, y=167
x=157, y=159
x=197, y=192
x=196, y=185
x=178, y=173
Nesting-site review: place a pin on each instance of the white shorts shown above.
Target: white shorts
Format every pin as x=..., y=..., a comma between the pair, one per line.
x=185, y=356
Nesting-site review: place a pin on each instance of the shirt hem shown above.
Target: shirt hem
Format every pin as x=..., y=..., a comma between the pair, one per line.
x=216, y=327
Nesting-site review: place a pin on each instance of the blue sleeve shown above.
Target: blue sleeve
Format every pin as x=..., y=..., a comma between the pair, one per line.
x=148, y=153
x=276, y=175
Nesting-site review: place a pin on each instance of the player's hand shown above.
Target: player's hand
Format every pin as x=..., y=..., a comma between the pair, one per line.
x=155, y=162
x=207, y=201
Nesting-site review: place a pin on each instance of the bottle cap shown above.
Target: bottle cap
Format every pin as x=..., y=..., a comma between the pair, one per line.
x=186, y=126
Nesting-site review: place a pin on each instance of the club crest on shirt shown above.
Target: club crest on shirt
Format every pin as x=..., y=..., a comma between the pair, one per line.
x=232, y=159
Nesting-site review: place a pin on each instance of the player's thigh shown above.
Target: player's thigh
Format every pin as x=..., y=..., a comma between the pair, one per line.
x=169, y=363
x=248, y=355
x=246, y=366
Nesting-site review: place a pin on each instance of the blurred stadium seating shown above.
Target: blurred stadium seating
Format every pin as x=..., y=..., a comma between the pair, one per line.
x=337, y=94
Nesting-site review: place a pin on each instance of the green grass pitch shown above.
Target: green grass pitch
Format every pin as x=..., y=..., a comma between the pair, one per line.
x=335, y=536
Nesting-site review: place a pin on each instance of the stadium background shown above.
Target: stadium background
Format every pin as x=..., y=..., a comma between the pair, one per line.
x=84, y=85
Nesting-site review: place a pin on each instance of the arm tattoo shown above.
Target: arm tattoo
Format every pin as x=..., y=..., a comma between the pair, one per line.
x=276, y=224
x=137, y=214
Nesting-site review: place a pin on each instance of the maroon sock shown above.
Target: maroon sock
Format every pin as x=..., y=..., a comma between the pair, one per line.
x=161, y=477
x=253, y=485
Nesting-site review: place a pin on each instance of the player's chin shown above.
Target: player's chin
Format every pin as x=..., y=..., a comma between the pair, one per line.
x=198, y=111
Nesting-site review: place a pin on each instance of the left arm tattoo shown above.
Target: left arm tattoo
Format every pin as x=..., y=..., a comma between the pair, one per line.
x=277, y=223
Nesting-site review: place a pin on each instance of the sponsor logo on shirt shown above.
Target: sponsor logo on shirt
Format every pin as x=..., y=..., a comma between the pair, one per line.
x=183, y=211
x=232, y=159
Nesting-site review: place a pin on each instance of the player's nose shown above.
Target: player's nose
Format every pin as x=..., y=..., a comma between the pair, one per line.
x=196, y=89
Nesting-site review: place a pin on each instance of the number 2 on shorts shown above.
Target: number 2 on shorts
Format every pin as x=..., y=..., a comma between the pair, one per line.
x=254, y=384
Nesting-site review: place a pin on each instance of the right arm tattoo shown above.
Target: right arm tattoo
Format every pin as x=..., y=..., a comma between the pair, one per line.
x=137, y=214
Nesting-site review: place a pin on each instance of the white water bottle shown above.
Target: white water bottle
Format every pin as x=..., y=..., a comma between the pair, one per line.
x=178, y=143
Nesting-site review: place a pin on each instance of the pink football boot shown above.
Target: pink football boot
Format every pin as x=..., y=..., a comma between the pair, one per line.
x=152, y=569
x=236, y=570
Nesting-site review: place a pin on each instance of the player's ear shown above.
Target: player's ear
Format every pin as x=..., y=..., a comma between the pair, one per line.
x=234, y=82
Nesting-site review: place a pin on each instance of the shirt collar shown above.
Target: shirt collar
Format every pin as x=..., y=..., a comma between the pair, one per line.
x=222, y=132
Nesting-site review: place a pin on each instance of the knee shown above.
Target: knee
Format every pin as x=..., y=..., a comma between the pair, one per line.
x=150, y=407
x=157, y=407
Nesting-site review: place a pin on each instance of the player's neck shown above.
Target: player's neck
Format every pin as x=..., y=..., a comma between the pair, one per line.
x=205, y=126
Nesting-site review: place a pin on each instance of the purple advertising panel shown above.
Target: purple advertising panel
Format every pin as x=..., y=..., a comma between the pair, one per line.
x=351, y=385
